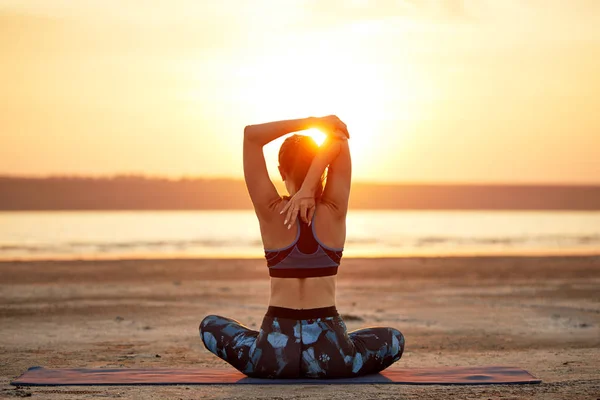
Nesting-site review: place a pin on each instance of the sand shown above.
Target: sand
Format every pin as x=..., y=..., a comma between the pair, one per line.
x=538, y=313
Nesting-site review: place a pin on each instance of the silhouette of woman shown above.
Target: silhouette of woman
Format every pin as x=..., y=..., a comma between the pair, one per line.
x=302, y=334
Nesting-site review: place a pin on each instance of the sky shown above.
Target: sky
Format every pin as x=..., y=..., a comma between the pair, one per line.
x=448, y=91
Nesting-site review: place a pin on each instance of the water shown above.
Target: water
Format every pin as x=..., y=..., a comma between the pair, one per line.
x=225, y=234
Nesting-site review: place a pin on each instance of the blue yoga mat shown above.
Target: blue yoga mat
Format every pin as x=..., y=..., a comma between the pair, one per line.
x=38, y=376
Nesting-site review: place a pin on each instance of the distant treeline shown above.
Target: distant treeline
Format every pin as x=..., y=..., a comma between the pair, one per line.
x=142, y=193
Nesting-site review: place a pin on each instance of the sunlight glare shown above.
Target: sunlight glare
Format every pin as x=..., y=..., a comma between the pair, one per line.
x=316, y=134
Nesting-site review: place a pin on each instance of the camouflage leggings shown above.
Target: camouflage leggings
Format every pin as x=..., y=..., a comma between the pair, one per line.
x=315, y=347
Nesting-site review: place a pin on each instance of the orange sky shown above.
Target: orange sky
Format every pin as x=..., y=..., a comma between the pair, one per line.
x=432, y=91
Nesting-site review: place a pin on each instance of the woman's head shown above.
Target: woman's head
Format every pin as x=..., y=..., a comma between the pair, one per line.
x=295, y=156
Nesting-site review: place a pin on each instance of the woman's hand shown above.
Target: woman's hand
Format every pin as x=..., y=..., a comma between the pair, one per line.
x=331, y=125
x=302, y=202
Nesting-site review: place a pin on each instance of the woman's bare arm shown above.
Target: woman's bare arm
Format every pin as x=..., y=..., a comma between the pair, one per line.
x=337, y=189
x=261, y=134
x=262, y=191
x=339, y=179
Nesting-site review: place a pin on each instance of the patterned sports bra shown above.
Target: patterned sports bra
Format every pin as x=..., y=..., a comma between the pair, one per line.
x=306, y=257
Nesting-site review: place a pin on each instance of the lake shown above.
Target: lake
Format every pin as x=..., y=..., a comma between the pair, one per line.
x=232, y=234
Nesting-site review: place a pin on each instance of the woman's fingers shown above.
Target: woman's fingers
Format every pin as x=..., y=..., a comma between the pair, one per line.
x=303, y=212
x=298, y=208
x=311, y=213
x=344, y=129
x=346, y=133
x=288, y=216
x=287, y=205
x=331, y=123
x=340, y=135
x=288, y=210
x=293, y=218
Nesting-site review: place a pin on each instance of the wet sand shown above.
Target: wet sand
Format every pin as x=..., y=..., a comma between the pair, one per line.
x=538, y=313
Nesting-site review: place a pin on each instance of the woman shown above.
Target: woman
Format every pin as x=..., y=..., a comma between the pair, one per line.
x=302, y=334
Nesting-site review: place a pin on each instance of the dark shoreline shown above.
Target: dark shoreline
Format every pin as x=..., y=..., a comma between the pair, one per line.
x=142, y=193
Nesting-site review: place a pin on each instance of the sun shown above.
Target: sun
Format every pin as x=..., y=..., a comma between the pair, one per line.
x=316, y=134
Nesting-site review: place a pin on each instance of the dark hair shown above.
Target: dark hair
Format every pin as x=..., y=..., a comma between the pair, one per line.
x=295, y=156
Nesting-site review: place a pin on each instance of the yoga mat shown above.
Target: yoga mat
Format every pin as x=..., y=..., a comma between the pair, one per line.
x=38, y=376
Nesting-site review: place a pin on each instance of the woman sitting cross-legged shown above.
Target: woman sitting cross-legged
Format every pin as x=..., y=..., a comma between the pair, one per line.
x=302, y=334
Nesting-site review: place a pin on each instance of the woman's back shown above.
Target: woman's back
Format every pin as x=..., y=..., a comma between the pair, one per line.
x=329, y=231
x=302, y=164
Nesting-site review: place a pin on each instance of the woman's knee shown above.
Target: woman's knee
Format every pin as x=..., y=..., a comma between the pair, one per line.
x=214, y=320
x=207, y=334
x=397, y=346
x=206, y=321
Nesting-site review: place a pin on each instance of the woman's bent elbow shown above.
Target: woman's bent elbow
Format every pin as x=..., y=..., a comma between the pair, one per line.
x=248, y=132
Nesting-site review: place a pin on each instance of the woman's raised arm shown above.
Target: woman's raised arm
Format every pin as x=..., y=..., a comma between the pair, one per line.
x=334, y=152
x=262, y=191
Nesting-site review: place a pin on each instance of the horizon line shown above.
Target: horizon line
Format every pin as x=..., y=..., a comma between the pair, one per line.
x=240, y=179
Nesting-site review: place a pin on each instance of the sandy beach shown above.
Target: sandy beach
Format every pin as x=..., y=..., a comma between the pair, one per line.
x=538, y=313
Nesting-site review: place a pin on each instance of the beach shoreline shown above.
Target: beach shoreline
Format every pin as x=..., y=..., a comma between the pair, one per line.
x=540, y=313
x=562, y=252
